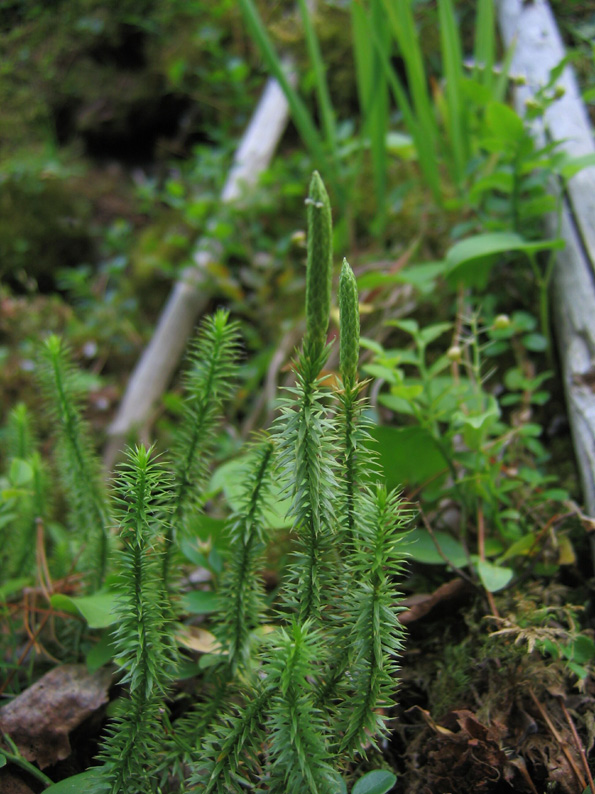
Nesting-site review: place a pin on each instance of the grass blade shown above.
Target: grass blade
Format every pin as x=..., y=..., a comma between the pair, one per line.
x=300, y=114
x=452, y=64
x=422, y=136
x=483, y=70
x=402, y=24
x=373, y=95
x=327, y=112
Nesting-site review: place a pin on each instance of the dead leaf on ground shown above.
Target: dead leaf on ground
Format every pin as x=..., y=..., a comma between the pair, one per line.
x=198, y=639
x=40, y=718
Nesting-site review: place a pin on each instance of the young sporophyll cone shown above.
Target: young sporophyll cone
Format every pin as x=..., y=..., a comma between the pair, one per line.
x=349, y=318
x=319, y=266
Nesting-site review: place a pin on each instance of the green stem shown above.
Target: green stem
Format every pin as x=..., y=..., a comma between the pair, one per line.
x=16, y=758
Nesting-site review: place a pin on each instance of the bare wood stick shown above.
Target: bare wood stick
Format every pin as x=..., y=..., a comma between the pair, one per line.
x=538, y=48
x=158, y=362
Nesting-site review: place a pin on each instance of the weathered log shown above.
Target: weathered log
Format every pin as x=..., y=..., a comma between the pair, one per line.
x=187, y=301
x=538, y=48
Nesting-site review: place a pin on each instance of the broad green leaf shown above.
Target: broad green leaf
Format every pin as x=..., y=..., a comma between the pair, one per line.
x=493, y=577
x=535, y=342
x=409, y=326
x=421, y=547
x=407, y=391
x=379, y=781
x=581, y=650
x=502, y=181
x=432, y=332
x=200, y=602
x=20, y=473
x=422, y=277
x=371, y=344
x=522, y=547
x=572, y=165
x=476, y=426
x=470, y=261
x=75, y=784
x=13, y=586
x=502, y=122
x=397, y=404
x=101, y=653
x=380, y=372
x=3, y=761
x=96, y=609
x=407, y=454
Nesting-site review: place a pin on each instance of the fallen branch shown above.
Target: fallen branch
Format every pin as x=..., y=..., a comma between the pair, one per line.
x=531, y=29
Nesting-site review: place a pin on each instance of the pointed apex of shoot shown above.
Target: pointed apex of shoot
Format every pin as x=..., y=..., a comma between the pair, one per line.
x=319, y=267
x=349, y=322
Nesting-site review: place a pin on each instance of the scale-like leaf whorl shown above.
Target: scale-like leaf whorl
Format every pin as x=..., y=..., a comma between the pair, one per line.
x=319, y=267
x=349, y=315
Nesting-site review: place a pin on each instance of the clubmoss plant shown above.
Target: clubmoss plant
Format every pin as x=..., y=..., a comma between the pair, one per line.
x=208, y=383
x=144, y=637
x=78, y=466
x=242, y=590
x=26, y=498
x=290, y=696
x=308, y=703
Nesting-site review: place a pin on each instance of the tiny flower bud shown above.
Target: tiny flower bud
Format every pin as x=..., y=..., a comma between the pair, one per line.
x=501, y=322
x=298, y=238
x=533, y=106
x=454, y=353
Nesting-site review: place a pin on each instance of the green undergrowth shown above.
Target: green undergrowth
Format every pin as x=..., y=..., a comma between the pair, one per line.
x=300, y=689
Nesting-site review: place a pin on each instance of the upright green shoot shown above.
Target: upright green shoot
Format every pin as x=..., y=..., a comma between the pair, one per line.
x=208, y=383
x=357, y=462
x=377, y=636
x=78, y=464
x=305, y=431
x=27, y=498
x=144, y=641
x=241, y=594
x=299, y=737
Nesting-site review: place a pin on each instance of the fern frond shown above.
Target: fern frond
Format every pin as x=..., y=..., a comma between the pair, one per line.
x=144, y=642
x=78, y=465
x=241, y=593
x=300, y=758
x=376, y=635
x=208, y=383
